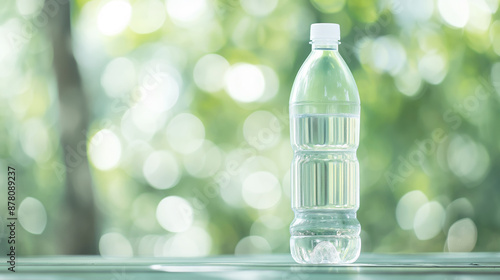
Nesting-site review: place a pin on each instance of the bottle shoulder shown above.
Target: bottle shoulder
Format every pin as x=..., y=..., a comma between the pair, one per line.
x=324, y=77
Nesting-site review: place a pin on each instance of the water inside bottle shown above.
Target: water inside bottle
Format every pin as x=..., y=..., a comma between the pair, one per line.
x=328, y=132
x=325, y=183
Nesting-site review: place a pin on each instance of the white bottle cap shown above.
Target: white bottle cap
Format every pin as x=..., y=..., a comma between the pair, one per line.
x=325, y=31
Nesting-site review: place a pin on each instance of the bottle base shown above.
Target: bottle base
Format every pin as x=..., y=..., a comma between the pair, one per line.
x=325, y=249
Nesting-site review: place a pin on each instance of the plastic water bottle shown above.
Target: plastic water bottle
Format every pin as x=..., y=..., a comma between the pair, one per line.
x=324, y=133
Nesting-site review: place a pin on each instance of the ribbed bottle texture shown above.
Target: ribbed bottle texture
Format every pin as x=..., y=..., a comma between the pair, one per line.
x=324, y=132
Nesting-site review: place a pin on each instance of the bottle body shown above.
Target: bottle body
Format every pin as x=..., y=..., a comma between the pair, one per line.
x=324, y=132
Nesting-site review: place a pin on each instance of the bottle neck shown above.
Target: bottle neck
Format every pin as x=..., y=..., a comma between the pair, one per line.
x=325, y=45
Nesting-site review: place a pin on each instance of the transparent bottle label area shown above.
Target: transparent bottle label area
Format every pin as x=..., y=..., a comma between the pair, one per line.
x=325, y=188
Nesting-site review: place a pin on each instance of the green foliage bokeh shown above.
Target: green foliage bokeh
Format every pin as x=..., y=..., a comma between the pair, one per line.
x=425, y=77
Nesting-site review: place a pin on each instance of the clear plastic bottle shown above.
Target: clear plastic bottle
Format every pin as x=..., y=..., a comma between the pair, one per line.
x=324, y=133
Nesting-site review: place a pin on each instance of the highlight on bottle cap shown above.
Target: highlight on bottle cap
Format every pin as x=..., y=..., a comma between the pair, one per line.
x=325, y=31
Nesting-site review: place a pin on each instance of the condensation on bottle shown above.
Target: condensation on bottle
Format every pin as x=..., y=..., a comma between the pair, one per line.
x=324, y=134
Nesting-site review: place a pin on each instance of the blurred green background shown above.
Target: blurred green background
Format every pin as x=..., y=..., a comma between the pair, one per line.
x=160, y=128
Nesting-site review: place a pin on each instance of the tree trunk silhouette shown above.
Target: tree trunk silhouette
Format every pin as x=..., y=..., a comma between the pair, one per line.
x=77, y=220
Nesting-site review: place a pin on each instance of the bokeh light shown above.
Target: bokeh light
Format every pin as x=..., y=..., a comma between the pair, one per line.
x=8, y=51
x=408, y=12
x=408, y=81
x=186, y=12
x=252, y=245
x=230, y=189
x=161, y=170
x=388, y=55
x=432, y=67
x=35, y=140
x=134, y=156
x=429, y=220
x=458, y=209
x=195, y=242
x=205, y=161
x=160, y=96
x=147, y=16
x=468, y=160
x=32, y=215
x=146, y=246
x=114, y=244
x=455, y=13
x=261, y=190
x=136, y=126
x=462, y=236
x=259, y=7
x=407, y=208
x=104, y=149
x=245, y=82
x=262, y=130
x=174, y=214
x=479, y=16
x=271, y=82
x=209, y=72
x=185, y=133
x=114, y=17
x=119, y=77
x=254, y=164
